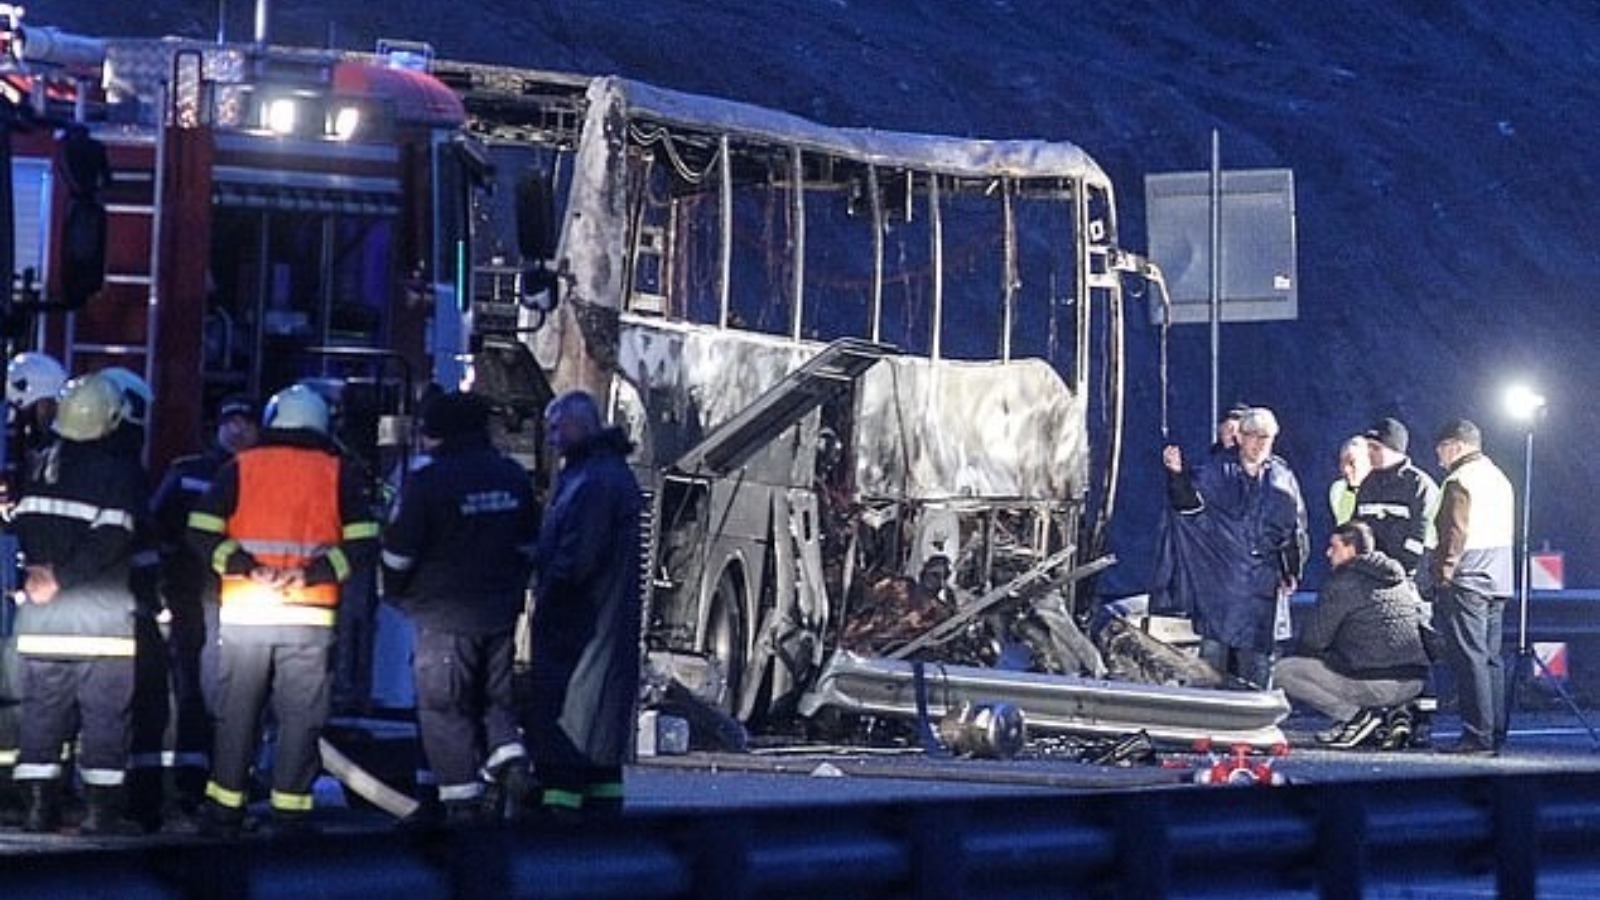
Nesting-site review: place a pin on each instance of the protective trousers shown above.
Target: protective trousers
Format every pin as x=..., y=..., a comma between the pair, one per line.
x=465, y=707
x=297, y=679
x=89, y=698
x=171, y=728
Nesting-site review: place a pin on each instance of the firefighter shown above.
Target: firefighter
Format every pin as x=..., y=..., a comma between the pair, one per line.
x=455, y=561
x=75, y=629
x=151, y=705
x=284, y=524
x=585, y=627
x=32, y=382
x=189, y=592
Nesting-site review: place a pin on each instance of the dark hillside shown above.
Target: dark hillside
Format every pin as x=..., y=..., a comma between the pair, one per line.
x=1443, y=155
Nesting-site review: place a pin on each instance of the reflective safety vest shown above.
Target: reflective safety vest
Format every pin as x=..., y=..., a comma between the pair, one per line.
x=287, y=515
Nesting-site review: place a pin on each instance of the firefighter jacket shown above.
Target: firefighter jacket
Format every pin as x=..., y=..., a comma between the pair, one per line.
x=585, y=626
x=1368, y=621
x=79, y=519
x=187, y=579
x=1476, y=526
x=456, y=554
x=1398, y=503
x=289, y=503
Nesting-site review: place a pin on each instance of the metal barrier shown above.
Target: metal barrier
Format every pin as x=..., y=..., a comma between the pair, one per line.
x=1511, y=836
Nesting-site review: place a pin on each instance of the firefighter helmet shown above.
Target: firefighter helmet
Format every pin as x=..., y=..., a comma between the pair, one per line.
x=135, y=393
x=89, y=408
x=297, y=406
x=31, y=377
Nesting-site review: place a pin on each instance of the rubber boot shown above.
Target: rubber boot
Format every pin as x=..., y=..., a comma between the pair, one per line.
x=218, y=821
x=104, y=809
x=43, y=806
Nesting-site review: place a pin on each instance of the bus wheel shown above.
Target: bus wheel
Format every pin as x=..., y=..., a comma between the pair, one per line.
x=725, y=640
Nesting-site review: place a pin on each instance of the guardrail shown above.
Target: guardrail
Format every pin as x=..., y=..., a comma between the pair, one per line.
x=1515, y=836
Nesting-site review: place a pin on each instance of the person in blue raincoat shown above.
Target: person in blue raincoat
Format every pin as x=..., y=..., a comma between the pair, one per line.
x=586, y=615
x=1234, y=548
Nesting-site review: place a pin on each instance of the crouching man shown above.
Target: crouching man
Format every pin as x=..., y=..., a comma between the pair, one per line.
x=1361, y=657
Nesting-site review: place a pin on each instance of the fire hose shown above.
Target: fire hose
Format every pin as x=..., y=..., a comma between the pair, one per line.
x=367, y=786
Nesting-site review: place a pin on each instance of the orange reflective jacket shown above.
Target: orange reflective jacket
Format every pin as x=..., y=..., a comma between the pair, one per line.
x=287, y=515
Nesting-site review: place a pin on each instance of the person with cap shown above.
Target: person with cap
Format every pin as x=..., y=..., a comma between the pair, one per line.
x=1360, y=651
x=1237, y=545
x=189, y=595
x=456, y=559
x=1227, y=436
x=586, y=614
x=284, y=524
x=1472, y=577
x=1355, y=462
x=1397, y=500
x=75, y=629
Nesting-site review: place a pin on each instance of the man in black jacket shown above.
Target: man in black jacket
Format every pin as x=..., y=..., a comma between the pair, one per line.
x=585, y=625
x=455, y=560
x=1361, y=650
x=75, y=633
x=1396, y=499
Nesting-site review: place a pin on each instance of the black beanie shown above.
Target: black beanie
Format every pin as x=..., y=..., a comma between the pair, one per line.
x=454, y=415
x=1391, y=433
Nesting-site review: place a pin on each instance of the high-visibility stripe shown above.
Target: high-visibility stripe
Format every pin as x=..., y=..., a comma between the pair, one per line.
x=266, y=614
x=505, y=753
x=221, y=555
x=194, y=485
x=224, y=797
x=290, y=802
x=339, y=562
x=605, y=790
x=397, y=562
x=73, y=645
x=36, y=771
x=78, y=511
x=169, y=759
x=201, y=521
x=360, y=530
x=469, y=791
x=102, y=777
x=563, y=799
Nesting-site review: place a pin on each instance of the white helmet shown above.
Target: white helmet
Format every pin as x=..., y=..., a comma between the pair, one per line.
x=88, y=408
x=297, y=406
x=136, y=394
x=31, y=377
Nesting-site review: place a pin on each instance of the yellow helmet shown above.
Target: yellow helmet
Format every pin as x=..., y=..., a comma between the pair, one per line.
x=88, y=408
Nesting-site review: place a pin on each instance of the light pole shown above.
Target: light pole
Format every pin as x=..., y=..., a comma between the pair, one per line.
x=1527, y=406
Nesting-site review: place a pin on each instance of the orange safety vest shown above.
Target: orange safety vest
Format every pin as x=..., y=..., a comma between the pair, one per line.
x=287, y=515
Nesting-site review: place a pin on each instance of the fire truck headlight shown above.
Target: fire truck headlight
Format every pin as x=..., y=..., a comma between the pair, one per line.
x=279, y=115
x=346, y=120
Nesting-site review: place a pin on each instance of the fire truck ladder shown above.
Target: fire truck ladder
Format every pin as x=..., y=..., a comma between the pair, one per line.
x=119, y=326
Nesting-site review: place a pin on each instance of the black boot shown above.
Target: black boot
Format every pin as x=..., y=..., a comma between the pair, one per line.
x=104, y=810
x=43, y=806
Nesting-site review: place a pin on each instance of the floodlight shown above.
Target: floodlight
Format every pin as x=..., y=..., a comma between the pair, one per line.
x=1523, y=403
x=345, y=122
x=279, y=115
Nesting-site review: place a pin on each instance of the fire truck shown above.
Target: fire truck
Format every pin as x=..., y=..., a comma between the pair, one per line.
x=863, y=368
x=271, y=215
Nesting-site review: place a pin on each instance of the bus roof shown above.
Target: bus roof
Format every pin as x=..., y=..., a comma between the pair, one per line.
x=964, y=157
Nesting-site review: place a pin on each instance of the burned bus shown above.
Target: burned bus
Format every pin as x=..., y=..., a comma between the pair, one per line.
x=858, y=365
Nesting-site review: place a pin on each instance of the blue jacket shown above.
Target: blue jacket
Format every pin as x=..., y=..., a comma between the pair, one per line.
x=1229, y=542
